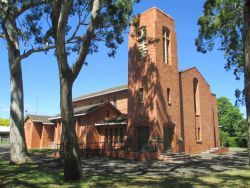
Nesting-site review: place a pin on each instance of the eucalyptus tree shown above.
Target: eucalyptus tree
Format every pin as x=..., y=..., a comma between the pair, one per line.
x=97, y=21
x=227, y=24
x=24, y=33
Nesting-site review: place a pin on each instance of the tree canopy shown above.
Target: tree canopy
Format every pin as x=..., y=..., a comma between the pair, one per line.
x=4, y=122
x=230, y=117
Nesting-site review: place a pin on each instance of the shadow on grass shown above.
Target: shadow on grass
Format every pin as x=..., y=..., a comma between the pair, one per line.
x=46, y=171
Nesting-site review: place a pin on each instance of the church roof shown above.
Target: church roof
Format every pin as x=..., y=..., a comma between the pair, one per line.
x=102, y=92
x=81, y=111
x=40, y=119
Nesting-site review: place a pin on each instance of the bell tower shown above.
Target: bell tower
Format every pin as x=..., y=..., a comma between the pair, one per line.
x=153, y=83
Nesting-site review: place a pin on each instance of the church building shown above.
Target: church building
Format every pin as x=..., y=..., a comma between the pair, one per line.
x=159, y=109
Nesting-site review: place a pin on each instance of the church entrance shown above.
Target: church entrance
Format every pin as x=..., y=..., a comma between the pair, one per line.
x=143, y=137
x=167, y=138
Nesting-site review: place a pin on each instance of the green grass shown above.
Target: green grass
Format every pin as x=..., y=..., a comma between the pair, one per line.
x=41, y=175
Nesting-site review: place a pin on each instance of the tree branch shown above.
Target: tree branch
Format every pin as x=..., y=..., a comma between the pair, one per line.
x=28, y=6
x=34, y=50
x=86, y=41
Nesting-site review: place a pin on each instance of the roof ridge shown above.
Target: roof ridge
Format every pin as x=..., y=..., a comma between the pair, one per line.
x=102, y=92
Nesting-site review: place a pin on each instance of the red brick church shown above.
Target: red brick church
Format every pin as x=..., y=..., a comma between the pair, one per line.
x=160, y=109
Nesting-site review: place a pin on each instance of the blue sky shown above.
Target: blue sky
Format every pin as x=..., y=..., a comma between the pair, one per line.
x=40, y=72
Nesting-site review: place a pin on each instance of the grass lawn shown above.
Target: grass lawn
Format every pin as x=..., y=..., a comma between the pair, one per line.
x=42, y=175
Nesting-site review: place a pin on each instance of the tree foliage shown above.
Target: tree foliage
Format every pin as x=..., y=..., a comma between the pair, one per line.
x=221, y=26
x=230, y=117
x=233, y=126
x=4, y=122
x=223, y=20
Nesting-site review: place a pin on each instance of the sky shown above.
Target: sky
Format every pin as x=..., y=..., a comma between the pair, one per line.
x=41, y=78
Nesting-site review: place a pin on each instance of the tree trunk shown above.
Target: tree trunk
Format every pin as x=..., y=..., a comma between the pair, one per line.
x=72, y=160
x=247, y=66
x=18, y=150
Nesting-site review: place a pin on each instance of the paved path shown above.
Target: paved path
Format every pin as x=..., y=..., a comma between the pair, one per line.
x=199, y=164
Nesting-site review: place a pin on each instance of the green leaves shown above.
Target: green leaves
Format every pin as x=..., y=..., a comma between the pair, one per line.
x=230, y=118
x=4, y=122
x=222, y=24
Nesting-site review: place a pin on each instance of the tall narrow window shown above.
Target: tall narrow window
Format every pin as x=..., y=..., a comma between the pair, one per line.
x=116, y=135
x=168, y=96
x=121, y=135
x=106, y=135
x=141, y=95
x=142, y=43
x=111, y=135
x=108, y=114
x=196, y=97
x=166, y=42
x=199, y=134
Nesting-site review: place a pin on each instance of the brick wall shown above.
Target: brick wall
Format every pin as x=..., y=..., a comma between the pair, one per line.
x=208, y=120
x=120, y=96
x=154, y=76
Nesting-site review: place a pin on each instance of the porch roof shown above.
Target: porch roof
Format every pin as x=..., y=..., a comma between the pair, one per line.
x=120, y=120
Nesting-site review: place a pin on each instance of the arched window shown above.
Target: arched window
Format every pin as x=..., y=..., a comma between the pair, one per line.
x=196, y=97
x=197, y=109
x=169, y=96
x=166, y=44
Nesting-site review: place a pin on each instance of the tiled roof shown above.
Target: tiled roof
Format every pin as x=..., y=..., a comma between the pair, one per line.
x=83, y=110
x=103, y=92
x=40, y=119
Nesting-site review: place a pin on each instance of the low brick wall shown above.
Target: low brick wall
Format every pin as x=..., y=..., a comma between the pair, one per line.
x=122, y=154
x=221, y=150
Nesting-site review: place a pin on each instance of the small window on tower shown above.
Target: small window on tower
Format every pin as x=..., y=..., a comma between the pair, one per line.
x=142, y=43
x=169, y=96
x=141, y=95
x=166, y=44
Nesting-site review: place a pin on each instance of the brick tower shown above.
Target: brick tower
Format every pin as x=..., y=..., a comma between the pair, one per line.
x=153, y=84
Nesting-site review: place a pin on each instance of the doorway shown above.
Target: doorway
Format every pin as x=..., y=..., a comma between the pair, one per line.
x=167, y=138
x=143, y=137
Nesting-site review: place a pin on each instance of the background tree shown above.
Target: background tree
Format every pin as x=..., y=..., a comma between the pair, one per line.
x=227, y=22
x=4, y=122
x=97, y=21
x=233, y=129
x=230, y=117
x=21, y=28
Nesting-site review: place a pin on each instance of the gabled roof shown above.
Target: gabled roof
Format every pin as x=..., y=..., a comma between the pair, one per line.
x=39, y=119
x=194, y=68
x=84, y=110
x=102, y=92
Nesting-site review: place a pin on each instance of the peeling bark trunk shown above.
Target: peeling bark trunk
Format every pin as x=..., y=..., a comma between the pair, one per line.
x=18, y=150
x=247, y=66
x=72, y=161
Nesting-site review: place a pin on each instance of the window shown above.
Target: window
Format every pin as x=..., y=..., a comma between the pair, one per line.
x=115, y=102
x=196, y=97
x=111, y=135
x=168, y=96
x=198, y=134
x=142, y=40
x=141, y=95
x=108, y=114
x=106, y=135
x=90, y=103
x=166, y=44
x=121, y=135
x=116, y=135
